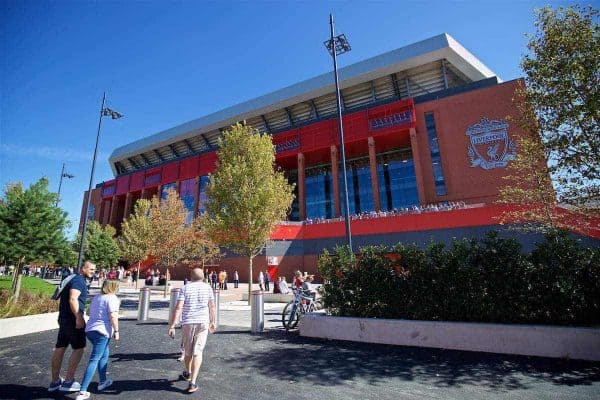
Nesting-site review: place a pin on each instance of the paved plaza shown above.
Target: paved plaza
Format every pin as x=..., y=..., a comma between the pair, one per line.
x=280, y=365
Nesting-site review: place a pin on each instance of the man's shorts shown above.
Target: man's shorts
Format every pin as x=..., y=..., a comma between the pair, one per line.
x=194, y=338
x=69, y=335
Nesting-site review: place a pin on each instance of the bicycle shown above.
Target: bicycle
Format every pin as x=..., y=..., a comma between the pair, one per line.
x=302, y=303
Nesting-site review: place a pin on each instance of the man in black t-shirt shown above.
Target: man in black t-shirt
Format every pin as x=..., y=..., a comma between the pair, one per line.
x=71, y=329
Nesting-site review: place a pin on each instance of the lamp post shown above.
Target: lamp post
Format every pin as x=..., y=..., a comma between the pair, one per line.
x=104, y=111
x=63, y=174
x=339, y=45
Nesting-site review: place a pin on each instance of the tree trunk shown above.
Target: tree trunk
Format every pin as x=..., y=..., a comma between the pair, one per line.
x=17, y=291
x=16, y=273
x=166, y=283
x=137, y=275
x=249, y=279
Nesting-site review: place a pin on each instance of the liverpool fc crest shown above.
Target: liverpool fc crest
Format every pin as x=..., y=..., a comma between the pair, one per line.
x=490, y=147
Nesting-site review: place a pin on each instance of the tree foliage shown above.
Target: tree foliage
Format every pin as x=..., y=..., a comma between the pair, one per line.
x=563, y=89
x=31, y=226
x=136, y=233
x=246, y=196
x=100, y=245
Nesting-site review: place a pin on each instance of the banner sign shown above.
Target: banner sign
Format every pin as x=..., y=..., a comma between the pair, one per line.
x=291, y=144
x=401, y=118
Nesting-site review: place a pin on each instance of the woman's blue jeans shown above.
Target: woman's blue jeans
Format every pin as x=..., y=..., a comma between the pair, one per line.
x=98, y=358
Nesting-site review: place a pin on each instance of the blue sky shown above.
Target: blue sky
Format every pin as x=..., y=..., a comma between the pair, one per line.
x=165, y=63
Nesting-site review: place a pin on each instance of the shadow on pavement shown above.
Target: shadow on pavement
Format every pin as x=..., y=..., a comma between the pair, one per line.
x=152, y=385
x=323, y=362
x=142, y=356
x=29, y=392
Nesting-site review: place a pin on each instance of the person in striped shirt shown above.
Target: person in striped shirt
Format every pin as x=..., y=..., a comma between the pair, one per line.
x=196, y=307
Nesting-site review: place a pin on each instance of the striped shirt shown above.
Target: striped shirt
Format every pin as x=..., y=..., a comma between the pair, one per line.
x=195, y=297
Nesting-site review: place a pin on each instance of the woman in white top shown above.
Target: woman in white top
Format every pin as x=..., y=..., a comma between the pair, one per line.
x=102, y=325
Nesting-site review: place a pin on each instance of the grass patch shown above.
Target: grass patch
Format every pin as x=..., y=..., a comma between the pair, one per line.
x=35, y=297
x=29, y=284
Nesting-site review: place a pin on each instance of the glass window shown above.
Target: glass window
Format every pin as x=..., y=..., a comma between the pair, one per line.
x=397, y=180
x=204, y=181
x=292, y=177
x=360, y=191
x=319, y=192
x=436, y=159
x=165, y=188
x=187, y=190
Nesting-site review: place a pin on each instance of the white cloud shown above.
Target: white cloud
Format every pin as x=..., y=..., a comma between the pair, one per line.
x=46, y=152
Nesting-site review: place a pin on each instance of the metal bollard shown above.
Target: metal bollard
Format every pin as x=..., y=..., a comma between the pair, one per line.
x=144, y=304
x=173, y=303
x=257, y=311
x=217, y=296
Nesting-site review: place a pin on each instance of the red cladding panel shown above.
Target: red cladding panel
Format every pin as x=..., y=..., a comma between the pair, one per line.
x=122, y=185
x=170, y=172
x=108, y=189
x=136, y=182
x=207, y=163
x=152, y=178
x=188, y=168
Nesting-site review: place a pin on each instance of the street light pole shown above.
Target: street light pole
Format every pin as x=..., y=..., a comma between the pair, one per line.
x=335, y=45
x=63, y=174
x=89, y=193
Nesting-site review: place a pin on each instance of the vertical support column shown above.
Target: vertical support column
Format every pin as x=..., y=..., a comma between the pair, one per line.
x=335, y=173
x=143, y=194
x=128, y=205
x=374, y=179
x=112, y=219
x=196, y=195
x=106, y=212
x=414, y=145
x=301, y=187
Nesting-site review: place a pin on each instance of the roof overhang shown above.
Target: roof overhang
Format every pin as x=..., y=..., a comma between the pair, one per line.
x=436, y=48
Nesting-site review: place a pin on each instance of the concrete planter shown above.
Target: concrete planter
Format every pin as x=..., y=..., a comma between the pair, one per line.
x=530, y=340
x=28, y=324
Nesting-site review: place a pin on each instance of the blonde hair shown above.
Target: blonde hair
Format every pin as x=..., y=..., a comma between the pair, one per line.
x=110, y=286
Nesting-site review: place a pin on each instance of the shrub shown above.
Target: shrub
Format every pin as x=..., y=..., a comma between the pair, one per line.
x=28, y=304
x=490, y=280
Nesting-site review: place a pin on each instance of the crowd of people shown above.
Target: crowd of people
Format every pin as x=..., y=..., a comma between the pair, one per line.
x=417, y=209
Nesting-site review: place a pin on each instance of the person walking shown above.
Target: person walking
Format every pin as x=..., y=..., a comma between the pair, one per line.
x=71, y=329
x=236, y=279
x=261, y=280
x=267, y=281
x=213, y=279
x=196, y=306
x=101, y=327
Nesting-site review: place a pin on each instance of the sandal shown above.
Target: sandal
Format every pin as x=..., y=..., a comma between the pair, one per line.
x=192, y=388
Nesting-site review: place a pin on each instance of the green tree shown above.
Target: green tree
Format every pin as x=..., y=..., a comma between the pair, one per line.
x=246, y=196
x=31, y=227
x=100, y=245
x=172, y=241
x=563, y=90
x=136, y=234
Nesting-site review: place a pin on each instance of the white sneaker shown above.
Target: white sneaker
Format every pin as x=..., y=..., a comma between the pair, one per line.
x=83, y=396
x=70, y=386
x=105, y=384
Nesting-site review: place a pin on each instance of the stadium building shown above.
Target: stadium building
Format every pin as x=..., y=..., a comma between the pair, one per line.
x=428, y=138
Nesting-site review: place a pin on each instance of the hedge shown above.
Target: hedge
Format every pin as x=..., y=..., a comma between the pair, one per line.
x=487, y=280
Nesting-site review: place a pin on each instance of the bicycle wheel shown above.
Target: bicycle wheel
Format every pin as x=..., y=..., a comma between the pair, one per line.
x=288, y=320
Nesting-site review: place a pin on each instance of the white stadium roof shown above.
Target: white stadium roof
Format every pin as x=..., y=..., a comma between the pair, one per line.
x=424, y=67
